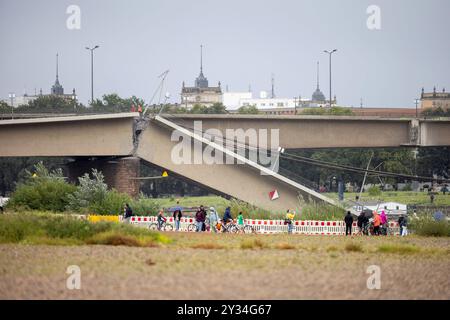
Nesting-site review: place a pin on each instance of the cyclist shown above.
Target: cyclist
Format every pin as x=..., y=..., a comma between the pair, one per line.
x=161, y=218
x=227, y=216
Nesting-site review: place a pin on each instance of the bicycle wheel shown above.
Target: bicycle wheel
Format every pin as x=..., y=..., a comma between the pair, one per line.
x=233, y=228
x=168, y=227
x=192, y=227
x=249, y=229
x=153, y=226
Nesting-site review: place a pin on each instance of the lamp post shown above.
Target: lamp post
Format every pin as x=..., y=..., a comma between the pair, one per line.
x=12, y=96
x=92, y=71
x=330, y=53
x=416, y=101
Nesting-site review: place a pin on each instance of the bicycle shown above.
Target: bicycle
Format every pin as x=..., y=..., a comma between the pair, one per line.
x=164, y=226
x=244, y=229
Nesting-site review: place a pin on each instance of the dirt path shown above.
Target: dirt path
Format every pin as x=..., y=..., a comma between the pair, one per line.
x=317, y=267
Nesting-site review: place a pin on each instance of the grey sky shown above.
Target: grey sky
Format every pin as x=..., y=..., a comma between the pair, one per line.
x=244, y=42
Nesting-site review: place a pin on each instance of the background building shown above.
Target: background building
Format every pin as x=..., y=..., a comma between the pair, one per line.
x=56, y=90
x=435, y=99
x=201, y=93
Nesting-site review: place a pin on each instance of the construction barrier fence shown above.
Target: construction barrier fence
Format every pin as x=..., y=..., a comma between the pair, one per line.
x=308, y=227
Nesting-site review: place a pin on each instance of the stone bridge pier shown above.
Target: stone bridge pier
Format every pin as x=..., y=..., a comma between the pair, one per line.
x=119, y=172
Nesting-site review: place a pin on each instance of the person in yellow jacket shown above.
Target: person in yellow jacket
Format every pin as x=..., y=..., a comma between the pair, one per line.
x=290, y=220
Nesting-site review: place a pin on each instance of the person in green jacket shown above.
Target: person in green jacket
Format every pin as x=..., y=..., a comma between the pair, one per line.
x=240, y=221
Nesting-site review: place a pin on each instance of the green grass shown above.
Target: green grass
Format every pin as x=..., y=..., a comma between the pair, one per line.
x=427, y=226
x=398, y=248
x=47, y=228
x=307, y=212
x=406, y=197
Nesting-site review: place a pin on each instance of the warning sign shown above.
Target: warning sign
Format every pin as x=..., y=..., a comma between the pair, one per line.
x=273, y=195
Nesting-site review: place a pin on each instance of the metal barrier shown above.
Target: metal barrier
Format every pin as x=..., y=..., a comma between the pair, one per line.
x=307, y=227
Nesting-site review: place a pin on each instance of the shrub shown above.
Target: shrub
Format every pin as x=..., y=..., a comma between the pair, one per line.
x=92, y=196
x=428, y=227
x=89, y=194
x=42, y=190
x=374, y=191
x=144, y=206
x=52, y=229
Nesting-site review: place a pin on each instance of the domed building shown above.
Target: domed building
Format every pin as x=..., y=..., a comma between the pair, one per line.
x=201, y=93
x=318, y=97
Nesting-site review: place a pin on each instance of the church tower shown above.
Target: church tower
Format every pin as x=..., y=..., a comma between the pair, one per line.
x=201, y=81
x=57, y=88
x=318, y=96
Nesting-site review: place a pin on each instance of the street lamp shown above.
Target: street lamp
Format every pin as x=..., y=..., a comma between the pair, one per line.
x=416, y=101
x=12, y=96
x=330, y=53
x=92, y=71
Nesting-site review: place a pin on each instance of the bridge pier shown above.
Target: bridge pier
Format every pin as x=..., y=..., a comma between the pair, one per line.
x=118, y=172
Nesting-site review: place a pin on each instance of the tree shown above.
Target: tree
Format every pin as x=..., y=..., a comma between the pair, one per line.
x=42, y=190
x=51, y=104
x=248, y=110
x=111, y=103
x=336, y=111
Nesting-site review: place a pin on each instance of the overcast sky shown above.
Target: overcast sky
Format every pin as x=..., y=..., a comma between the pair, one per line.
x=244, y=42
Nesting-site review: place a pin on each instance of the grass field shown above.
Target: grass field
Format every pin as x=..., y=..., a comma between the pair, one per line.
x=406, y=197
x=221, y=266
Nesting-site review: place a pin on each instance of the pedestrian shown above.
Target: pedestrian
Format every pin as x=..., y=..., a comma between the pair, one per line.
x=200, y=217
x=400, y=223
x=240, y=221
x=177, y=215
x=360, y=222
x=384, y=221
x=405, y=226
x=213, y=219
x=290, y=214
x=128, y=213
x=133, y=109
x=348, y=223
x=139, y=109
x=376, y=223
x=444, y=190
x=161, y=219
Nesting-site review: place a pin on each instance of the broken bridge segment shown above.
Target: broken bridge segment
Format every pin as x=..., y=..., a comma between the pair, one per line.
x=241, y=181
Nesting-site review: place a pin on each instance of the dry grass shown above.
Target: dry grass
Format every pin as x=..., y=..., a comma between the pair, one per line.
x=284, y=246
x=318, y=268
x=353, y=247
x=253, y=244
x=207, y=246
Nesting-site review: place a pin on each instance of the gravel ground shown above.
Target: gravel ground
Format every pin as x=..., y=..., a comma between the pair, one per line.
x=314, y=268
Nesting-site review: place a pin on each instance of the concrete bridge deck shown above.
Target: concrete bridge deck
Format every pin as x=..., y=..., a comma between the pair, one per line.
x=126, y=134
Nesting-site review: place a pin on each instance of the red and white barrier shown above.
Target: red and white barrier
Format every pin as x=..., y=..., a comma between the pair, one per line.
x=308, y=227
